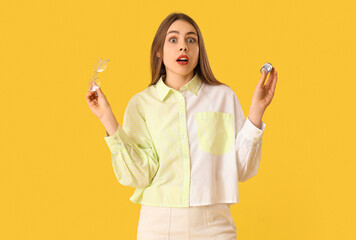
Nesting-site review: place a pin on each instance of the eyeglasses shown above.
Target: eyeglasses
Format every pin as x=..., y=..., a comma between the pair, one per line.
x=94, y=82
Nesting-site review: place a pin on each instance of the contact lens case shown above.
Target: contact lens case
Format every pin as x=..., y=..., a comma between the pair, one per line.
x=267, y=66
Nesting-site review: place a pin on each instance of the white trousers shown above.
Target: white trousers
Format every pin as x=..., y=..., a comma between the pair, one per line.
x=190, y=223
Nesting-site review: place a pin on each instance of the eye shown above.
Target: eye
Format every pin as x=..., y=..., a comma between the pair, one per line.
x=192, y=39
x=171, y=39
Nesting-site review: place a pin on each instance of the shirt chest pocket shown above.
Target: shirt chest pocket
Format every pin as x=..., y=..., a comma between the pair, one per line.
x=215, y=132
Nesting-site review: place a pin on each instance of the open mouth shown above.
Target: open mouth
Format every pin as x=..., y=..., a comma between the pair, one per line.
x=182, y=62
x=182, y=59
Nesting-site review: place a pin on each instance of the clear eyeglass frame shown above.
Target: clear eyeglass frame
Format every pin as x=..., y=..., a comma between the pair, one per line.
x=94, y=82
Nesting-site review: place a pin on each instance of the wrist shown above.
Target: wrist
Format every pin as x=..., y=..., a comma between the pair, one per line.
x=257, y=123
x=255, y=116
x=106, y=115
x=110, y=123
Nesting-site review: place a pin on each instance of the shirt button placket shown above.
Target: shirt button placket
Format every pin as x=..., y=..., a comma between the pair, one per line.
x=185, y=148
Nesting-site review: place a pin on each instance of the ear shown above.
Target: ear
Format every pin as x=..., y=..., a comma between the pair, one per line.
x=158, y=54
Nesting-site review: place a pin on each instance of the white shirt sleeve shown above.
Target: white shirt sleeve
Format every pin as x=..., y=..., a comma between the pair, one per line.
x=248, y=144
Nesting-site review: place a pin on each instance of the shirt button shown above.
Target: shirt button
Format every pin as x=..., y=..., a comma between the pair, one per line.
x=182, y=115
x=120, y=144
x=186, y=156
x=116, y=138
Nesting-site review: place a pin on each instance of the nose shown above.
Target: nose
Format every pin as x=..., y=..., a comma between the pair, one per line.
x=183, y=47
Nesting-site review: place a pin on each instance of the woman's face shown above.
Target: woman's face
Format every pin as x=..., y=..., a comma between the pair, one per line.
x=181, y=39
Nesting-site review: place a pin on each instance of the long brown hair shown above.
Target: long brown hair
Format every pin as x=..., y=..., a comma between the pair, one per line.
x=202, y=69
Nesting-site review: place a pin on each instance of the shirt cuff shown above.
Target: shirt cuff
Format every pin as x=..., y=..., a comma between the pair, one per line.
x=118, y=140
x=252, y=132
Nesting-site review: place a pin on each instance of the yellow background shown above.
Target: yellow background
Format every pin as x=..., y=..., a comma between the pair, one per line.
x=57, y=180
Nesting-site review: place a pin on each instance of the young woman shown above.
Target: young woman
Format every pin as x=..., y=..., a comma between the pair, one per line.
x=185, y=142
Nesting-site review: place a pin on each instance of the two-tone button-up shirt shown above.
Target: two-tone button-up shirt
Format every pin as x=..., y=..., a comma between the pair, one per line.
x=185, y=148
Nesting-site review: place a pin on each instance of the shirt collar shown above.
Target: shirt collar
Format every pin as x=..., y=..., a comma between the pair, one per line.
x=193, y=85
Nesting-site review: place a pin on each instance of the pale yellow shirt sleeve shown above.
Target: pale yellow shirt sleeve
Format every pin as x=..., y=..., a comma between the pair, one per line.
x=133, y=154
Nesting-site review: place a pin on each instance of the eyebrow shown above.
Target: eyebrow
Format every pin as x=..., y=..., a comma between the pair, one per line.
x=174, y=31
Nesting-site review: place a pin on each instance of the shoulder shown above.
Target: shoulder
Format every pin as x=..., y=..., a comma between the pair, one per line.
x=219, y=89
x=139, y=101
x=143, y=95
x=222, y=91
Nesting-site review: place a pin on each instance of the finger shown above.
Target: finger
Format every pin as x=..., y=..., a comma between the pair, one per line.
x=271, y=91
x=99, y=92
x=262, y=79
x=90, y=96
x=91, y=84
x=274, y=83
x=270, y=78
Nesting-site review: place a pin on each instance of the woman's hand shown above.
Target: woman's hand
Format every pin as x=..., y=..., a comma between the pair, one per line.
x=98, y=103
x=262, y=97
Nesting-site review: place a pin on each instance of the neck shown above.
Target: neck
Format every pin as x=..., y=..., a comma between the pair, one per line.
x=177, y=81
